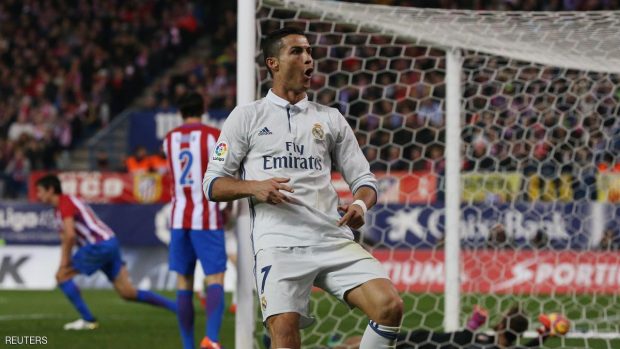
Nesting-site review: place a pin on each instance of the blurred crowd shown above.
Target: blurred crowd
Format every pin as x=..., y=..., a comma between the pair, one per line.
x=507, y=5
x=67, y=67
x=212, y=73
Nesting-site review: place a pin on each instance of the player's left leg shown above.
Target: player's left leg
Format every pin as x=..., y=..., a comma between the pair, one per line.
x=108, y=254
x=214, y=309
x=210, y=248
x=380, y=301
x=356, y=277
x=127, y=291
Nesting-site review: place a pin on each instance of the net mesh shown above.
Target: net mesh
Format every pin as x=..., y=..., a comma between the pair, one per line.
x=540, y=138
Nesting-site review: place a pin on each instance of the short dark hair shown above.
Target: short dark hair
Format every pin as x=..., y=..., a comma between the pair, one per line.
x=272, y=43
x=191, y=104
x=50, y=181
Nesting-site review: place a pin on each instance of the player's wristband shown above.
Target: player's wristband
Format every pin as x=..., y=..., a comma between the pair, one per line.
x=361, y=204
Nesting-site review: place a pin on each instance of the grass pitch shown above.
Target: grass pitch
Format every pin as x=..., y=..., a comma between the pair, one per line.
x=132, y=325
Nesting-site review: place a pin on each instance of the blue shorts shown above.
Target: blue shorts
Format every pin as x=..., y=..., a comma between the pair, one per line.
x=104, y=256
x=187, y=245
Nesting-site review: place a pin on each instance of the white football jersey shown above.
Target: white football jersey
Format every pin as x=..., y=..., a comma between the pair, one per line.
x=272, y=138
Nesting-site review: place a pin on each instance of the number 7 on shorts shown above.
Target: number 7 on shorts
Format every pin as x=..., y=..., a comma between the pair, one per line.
x=264, y=271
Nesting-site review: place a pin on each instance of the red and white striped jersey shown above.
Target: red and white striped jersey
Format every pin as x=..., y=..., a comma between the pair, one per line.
x=188, y=148
x=89, y=228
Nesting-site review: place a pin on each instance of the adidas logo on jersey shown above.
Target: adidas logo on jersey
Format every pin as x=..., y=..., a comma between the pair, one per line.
x=265, y=131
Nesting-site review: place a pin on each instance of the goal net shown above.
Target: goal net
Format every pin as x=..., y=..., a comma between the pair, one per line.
x=536, y=164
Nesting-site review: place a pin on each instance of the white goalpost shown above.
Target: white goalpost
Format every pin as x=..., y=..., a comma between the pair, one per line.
x=475, y=122
x=246, y=93
x=452, y=305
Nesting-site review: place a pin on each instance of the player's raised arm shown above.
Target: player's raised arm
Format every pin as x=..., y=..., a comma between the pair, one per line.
x=220, y=182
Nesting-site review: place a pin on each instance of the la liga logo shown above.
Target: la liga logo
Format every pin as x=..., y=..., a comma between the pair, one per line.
x=219, y=154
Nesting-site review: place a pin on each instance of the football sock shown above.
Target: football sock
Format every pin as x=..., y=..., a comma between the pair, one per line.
x=215, y=311
x=379, y=336
x=185, y=317
x=72, y=292
x=155, y=299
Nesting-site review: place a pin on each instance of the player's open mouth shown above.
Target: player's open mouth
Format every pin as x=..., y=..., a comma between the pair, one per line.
x=308, y=72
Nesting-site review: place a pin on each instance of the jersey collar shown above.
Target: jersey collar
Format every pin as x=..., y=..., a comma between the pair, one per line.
x=277, y=100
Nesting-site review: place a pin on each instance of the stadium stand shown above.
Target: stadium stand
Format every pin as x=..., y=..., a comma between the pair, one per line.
x=85, y=88
x=68, y=67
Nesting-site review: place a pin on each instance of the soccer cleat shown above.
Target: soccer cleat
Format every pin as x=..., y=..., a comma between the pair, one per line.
x=208, y=344
x=81, y=324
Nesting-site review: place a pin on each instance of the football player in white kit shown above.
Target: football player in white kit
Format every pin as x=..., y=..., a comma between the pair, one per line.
x=284, y=148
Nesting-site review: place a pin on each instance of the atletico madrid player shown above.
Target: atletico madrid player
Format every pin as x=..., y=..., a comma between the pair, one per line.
x=197, y=227
x=98, y=249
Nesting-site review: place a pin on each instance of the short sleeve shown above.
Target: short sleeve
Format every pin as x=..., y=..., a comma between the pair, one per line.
x=66, y=207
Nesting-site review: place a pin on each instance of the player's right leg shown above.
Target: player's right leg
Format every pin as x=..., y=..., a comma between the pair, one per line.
x=210, y=248
x=284, y=330
x=64, y=278
x=284, y=277
x=182, y=260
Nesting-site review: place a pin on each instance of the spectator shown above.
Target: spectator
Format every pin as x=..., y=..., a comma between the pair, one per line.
x=158, y=162
x=498, y=238
x=17, y=172
x=139, y=162
x=540, y=240
x=376, y=165
x=610, y=240
x=103, y=161
x=430, y=113
x=21, y=127
x=437, y=160
x=97, y=58
x=395, y=161
x=418, y=162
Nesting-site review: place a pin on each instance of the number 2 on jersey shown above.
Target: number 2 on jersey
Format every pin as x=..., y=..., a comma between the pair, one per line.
x=186, y=159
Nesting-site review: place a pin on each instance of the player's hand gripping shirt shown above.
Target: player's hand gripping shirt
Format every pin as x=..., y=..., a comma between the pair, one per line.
x=272, y=138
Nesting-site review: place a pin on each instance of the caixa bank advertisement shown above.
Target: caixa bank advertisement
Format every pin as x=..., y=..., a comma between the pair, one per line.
x=578, y=225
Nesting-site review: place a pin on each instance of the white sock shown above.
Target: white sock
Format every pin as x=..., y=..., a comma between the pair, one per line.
x=379, y=336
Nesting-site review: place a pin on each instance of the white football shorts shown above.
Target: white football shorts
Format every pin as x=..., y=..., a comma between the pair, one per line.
x=285, y=275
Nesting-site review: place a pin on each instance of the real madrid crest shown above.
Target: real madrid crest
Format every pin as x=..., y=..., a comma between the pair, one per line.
x=317, y=132
x=263, y=303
